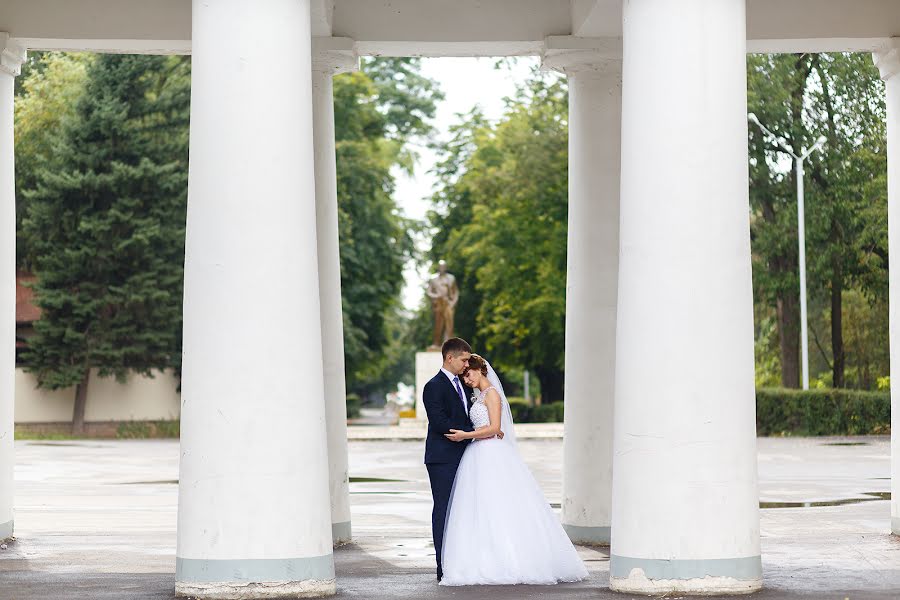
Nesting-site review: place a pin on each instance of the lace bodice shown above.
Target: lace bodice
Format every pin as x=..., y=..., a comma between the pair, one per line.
x=478, y=414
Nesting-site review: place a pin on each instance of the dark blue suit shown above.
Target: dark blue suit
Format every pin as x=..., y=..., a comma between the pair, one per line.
x=445, y=412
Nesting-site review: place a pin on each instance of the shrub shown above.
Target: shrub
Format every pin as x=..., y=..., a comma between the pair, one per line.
x=782, y=411
x=148, y=429
x=353, y=403
x=522, y=412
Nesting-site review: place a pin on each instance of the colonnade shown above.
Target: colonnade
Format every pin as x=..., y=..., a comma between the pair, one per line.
x=660, y=446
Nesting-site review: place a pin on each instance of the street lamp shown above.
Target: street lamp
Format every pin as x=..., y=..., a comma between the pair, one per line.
x=801, y=239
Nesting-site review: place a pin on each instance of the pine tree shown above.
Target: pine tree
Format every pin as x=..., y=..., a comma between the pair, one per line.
x=105, y=225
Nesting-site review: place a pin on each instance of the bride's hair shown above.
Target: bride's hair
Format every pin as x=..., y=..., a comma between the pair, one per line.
x=478, y=363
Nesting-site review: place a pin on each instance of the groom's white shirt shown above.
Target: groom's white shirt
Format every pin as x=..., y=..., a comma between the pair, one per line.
x=451, y=377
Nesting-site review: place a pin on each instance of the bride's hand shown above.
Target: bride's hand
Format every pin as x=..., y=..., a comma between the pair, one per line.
x=500, y=436
x=455, y=435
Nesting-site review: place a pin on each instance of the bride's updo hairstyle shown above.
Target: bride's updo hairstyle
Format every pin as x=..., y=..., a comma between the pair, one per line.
x=479, y=364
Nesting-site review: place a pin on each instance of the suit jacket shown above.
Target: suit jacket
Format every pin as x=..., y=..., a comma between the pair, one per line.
x=445, y=412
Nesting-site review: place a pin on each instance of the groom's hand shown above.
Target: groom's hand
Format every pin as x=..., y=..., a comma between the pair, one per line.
x=455, y=435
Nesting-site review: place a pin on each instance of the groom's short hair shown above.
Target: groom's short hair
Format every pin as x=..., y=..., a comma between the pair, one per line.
x=455, y=346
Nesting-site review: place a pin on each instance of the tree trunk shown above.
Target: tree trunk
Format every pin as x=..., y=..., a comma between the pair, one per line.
x=551, y=384
x=80, y=403
x=837, y=336
x=789, y=339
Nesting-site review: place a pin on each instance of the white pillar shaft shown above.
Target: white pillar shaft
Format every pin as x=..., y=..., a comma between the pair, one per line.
x=11, y=57
x=888, y=62
x=893, y=154
x=254, y=513
x=685, y=499
x=330, y=304
x=595, y=112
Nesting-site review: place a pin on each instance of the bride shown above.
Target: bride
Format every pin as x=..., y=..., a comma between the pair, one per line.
x=500, y=528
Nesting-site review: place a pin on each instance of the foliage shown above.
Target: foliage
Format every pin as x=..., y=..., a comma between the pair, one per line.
x=135, y=430
x=501, y=221
x=60, y=127
x=523, y=412
x=353, y=404
x=105, y=225
x=782, y=411
x=379, y=112
x=47, y=93
x=800, y=98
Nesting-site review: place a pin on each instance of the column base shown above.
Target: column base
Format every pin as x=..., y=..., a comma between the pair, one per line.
x=587, y=536
x=895, y=526
x=6, y=530
x=240, y=579
x=695, y=577
x=246, y=591
x=340, y=533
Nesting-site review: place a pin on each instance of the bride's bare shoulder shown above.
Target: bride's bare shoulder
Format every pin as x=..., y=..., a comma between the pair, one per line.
x=491, y=394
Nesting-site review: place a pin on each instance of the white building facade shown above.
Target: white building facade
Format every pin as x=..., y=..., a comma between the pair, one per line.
x=659, y=458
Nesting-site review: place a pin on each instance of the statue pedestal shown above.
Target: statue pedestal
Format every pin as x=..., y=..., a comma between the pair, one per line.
x=428, y=363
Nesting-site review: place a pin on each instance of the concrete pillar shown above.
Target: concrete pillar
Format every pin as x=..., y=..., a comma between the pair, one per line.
x=331, y=56
x=254, y=516
x=685, y=496
x=12, y=56
x=888, y=62
x=595, y=121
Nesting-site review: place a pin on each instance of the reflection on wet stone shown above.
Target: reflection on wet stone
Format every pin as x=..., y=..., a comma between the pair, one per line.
x=873, y=496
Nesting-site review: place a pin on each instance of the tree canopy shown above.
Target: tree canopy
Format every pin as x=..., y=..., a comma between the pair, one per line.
x=105, y=227
x=101, y=168
x=800, y=98
x=501, y=222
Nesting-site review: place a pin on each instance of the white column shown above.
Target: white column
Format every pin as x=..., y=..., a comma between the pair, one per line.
x=254, y=516
x=11, y=58
x=595, y=121
x=685, y=498
x=888, y=62
x=331, y=56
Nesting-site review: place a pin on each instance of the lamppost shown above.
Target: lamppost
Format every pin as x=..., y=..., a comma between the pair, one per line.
x=801, y=239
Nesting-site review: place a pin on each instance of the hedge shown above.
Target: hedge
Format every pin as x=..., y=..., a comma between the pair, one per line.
x=781, y=412
x=822, y=412
x=522, y=412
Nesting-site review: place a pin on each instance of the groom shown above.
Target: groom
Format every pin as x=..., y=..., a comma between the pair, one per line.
x=446, y=403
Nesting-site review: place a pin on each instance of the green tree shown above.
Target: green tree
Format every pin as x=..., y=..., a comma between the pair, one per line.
x=800, y=98
x=105, y=224
x=501, y=222
x=46, y=94
x=380, y=112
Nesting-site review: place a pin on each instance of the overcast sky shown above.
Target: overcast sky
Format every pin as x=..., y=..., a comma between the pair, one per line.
x=465, y=83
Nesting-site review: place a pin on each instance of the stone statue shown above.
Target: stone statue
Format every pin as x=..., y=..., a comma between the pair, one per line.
x=444, y=295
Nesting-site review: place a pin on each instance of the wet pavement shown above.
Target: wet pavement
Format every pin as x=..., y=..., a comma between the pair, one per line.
x=96, y=519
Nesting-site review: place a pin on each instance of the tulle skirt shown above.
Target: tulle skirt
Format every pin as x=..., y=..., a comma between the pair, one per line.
x=500, y=529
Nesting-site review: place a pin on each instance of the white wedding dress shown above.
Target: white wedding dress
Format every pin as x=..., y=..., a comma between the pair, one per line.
x=500, y=528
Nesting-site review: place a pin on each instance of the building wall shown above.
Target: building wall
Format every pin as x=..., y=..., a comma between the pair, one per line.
x=139, y=399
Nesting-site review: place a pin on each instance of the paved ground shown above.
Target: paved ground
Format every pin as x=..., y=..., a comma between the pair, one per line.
x=96, y=520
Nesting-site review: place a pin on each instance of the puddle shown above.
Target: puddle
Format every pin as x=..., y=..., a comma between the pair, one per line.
x=64, y=444
x=160, y=482
x=846, y=444
x=872, y=497
x=376, y=480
